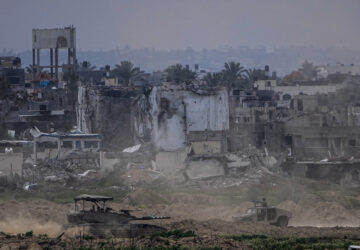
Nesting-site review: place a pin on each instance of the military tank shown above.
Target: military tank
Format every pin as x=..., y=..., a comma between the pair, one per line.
x=101, y=221
x=262, y=213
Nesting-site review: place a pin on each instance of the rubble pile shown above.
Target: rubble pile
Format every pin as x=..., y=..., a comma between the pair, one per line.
x=57, y=170
x=247, y=166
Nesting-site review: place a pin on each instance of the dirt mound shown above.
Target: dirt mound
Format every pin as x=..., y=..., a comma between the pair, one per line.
x=144, y=198
x=320, y=214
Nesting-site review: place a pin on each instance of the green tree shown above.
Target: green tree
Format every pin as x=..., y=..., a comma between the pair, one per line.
x=233, y=74
x=213, y=79
x=126, y=70
x=178, y=74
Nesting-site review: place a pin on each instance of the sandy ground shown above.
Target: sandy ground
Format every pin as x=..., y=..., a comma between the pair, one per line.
x=45, y=217
x=208, y=214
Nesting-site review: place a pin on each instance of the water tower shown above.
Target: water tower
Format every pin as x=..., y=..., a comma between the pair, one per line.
x=53, y=39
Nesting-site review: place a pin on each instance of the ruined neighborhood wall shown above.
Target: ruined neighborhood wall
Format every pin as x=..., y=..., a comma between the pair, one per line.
x=175, y=111
x=108, y=112
x=163, y=115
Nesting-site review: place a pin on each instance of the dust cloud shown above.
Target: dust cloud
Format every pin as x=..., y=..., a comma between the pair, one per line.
x=23, y=224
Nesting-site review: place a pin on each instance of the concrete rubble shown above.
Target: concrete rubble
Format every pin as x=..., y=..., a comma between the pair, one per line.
x=60, y=170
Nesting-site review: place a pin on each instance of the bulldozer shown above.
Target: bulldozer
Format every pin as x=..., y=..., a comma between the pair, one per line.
x=99, y=220
x=262, y=213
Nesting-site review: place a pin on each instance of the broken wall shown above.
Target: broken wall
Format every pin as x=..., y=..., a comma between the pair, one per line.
x=204, y=169
x=175, y=111
x=11, y=163
x=107, y=111
x=171, y=163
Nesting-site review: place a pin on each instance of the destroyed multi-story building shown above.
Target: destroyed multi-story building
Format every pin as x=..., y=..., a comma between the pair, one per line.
x=187, y=117
x=320, y=134
x=320, y=126
x=171, y=117
x=250, y=111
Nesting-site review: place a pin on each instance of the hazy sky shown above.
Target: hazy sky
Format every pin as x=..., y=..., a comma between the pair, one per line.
x=172, y=24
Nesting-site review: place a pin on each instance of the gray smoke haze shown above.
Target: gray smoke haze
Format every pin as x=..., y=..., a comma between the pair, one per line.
x=166, y=24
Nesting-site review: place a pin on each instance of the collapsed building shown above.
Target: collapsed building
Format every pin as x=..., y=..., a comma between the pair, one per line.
x=186, y=124
x=315, y=123
x=320, y=136
x=108, y=111
x=175, y=119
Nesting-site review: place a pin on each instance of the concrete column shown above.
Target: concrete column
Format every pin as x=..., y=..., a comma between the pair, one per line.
x=38, y=61
x=74, y=56
x=51, y=62
x=69, y=60
x=35, y=151
x=58, y=148
x=33, y=62
x=57, y=63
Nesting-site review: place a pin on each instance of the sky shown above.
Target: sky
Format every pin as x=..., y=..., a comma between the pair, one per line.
x=179, y=24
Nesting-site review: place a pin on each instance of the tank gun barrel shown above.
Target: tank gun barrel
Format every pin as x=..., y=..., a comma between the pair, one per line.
x=153, y=217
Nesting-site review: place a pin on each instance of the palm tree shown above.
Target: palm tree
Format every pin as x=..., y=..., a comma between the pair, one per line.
x=86, y=66
x=31, y=69
x=232, y=73
x=213, y=79
x=126, y=70
x=252, y=75
x=178, y=74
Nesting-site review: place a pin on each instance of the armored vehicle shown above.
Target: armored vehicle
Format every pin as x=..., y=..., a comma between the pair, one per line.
x=261, y=213
x=99, y=220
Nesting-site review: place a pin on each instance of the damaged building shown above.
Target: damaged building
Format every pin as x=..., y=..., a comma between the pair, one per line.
x=187, y=125
x=320, y=136
x=43, y=100
x=173, y=112
x=176, y=119
x=68, y=145
x=108, y=111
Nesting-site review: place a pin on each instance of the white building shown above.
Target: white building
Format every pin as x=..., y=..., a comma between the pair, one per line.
x=175, y=111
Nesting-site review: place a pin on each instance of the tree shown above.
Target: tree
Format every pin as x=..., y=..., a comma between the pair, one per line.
x=252, y=75
x=213, y=79
x=178, y=74
x=86, y=66
x=31, y=69
x=126, y=70
x=307, y=70
x=233, y=73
